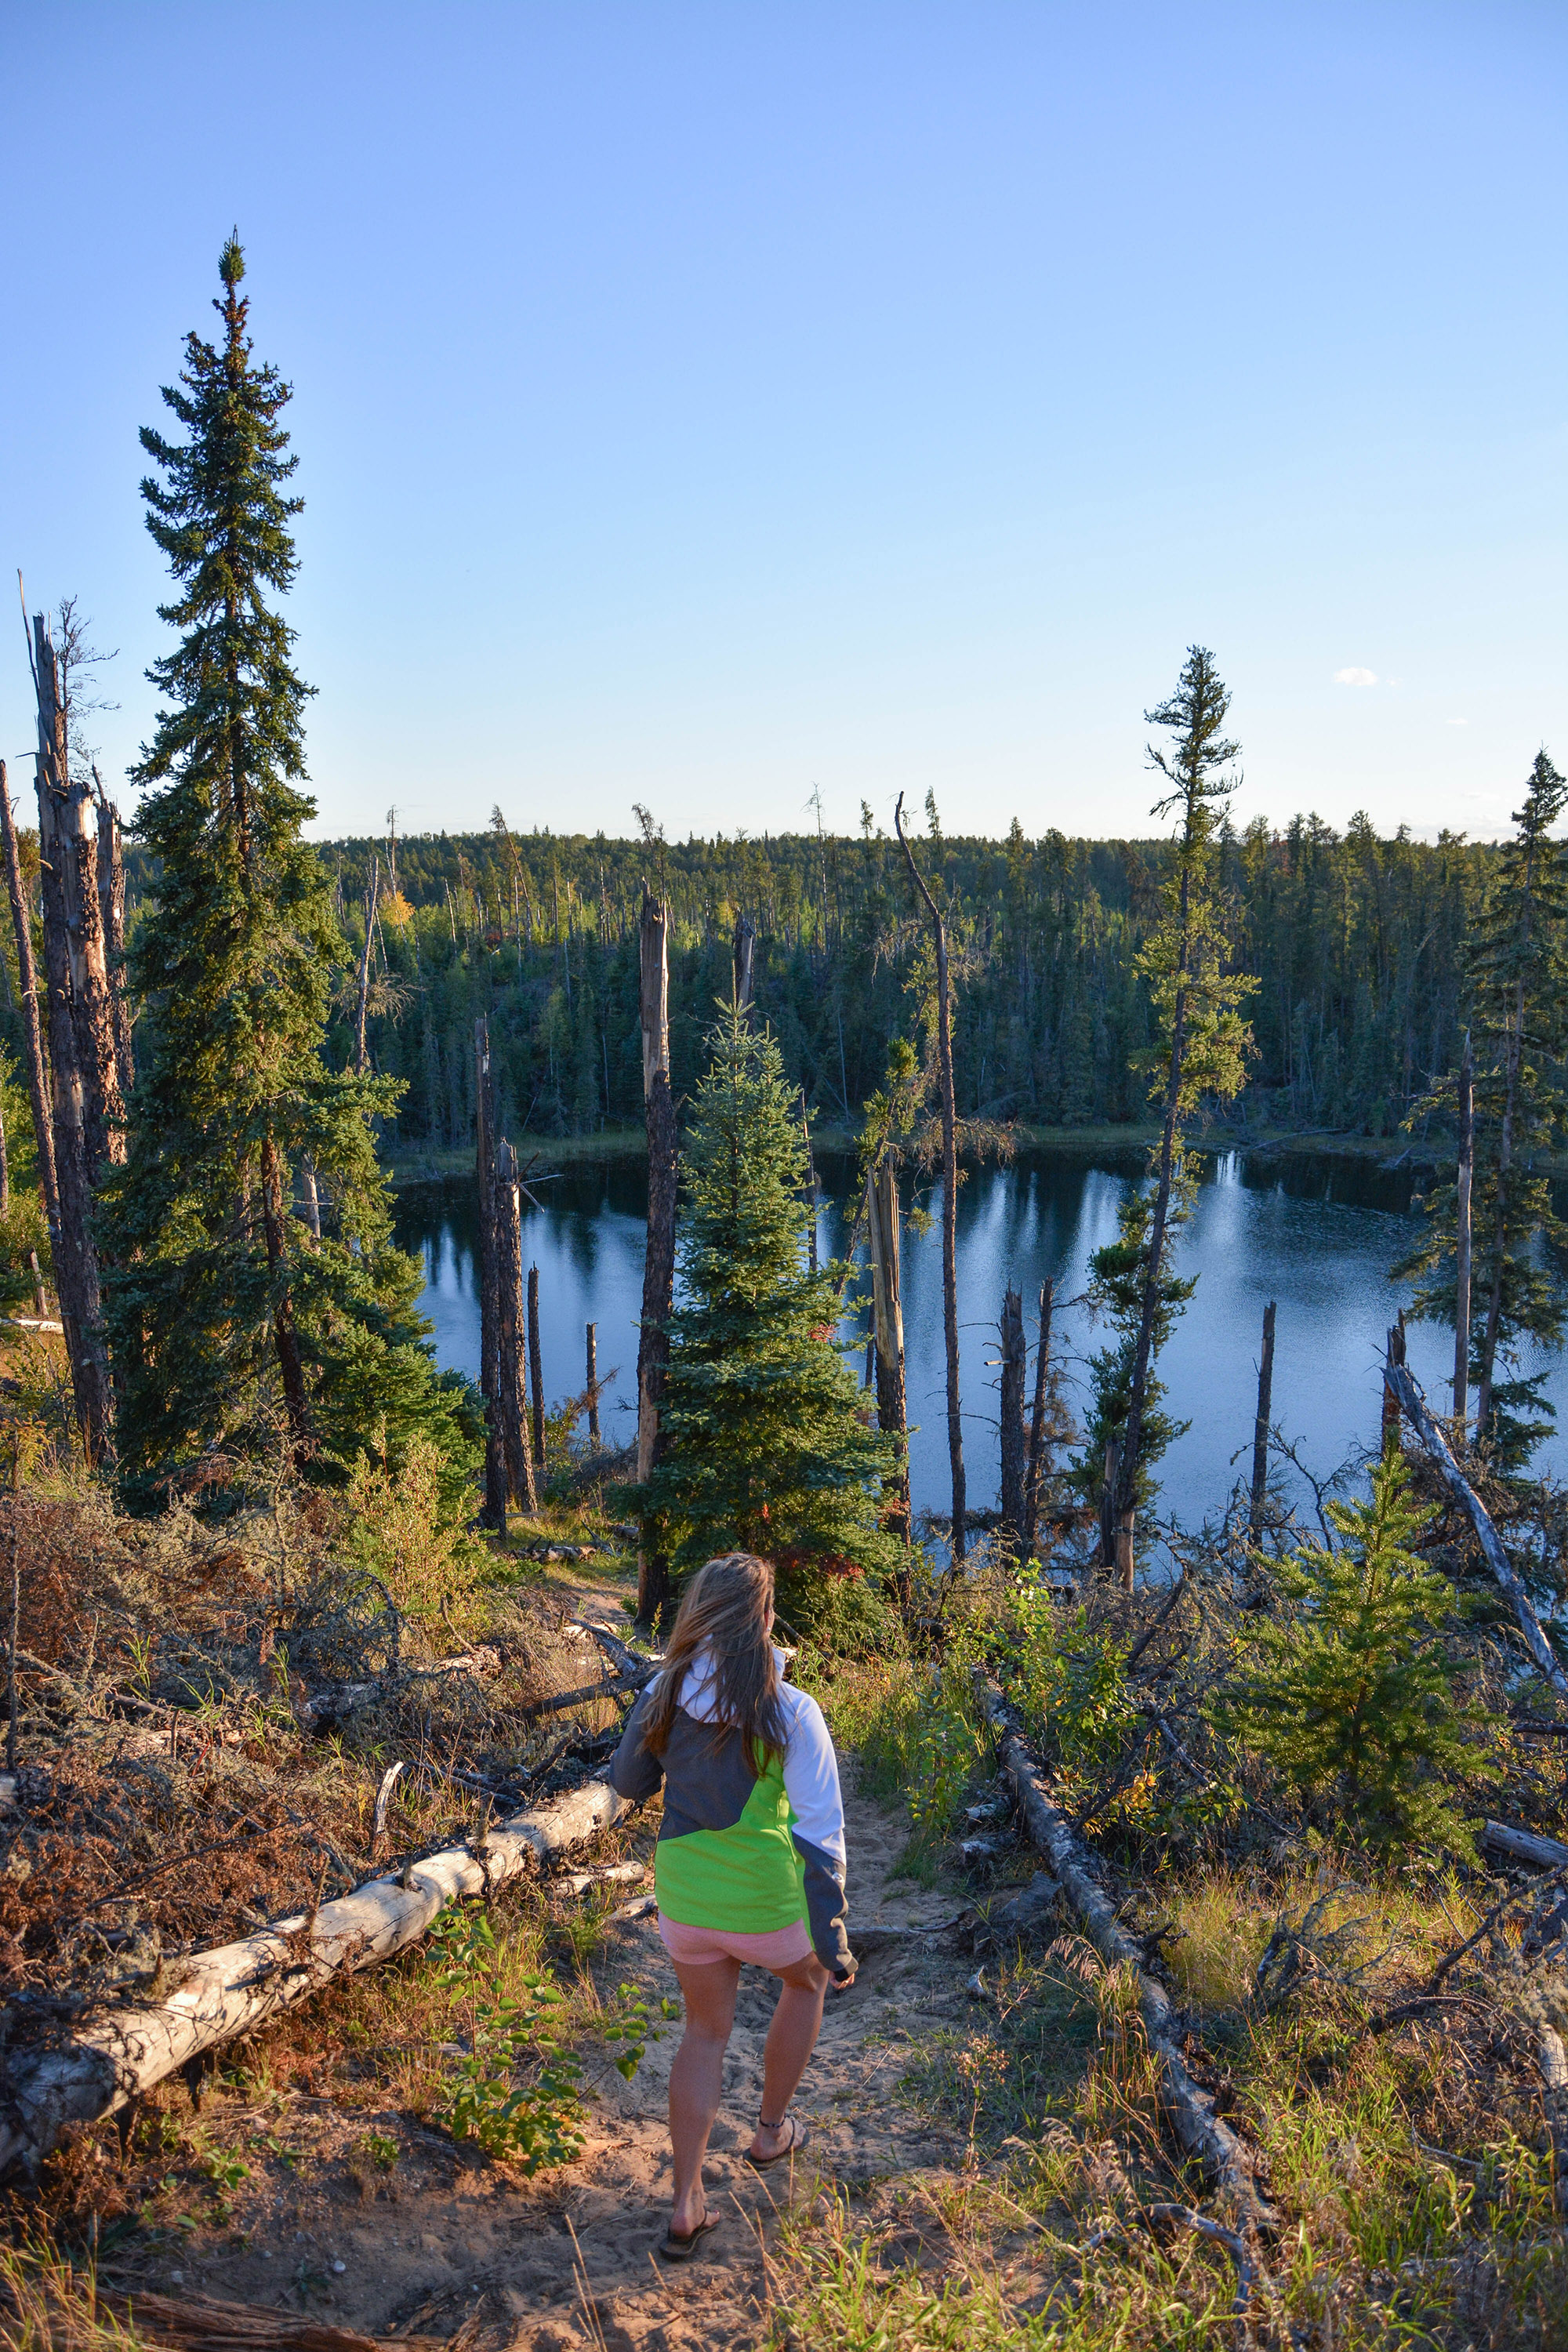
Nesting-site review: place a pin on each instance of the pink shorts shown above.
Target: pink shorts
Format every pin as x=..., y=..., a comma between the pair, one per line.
x=694, y=1947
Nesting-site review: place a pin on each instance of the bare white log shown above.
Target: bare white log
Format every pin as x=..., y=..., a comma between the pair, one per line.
x=1418, y=1413
x=224, y=1993
x=1525, y=1845
x=1205, y=2135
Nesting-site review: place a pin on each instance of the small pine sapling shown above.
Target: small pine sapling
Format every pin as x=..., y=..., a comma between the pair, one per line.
x=1350, y=1691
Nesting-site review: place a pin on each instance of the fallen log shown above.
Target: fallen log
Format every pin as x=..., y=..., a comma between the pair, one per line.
x=1525, y=1845
x=1225, y=2158
x=202, y=2323
x=1418, y=1414
x=230, y=1991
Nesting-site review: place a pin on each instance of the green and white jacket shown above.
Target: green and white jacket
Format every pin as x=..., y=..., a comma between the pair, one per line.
x=745, y=1857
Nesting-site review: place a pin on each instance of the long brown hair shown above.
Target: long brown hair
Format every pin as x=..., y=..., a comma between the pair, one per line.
x=725, y=1611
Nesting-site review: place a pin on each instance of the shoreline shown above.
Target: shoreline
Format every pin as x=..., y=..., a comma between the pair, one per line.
x=421, y=1165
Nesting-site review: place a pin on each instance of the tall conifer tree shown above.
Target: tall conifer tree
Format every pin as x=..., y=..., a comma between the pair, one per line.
x=768, y=1452
x=1518, y=1012
x=230, y=1321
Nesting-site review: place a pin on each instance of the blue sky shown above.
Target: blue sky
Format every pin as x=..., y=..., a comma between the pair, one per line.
x=700, y=404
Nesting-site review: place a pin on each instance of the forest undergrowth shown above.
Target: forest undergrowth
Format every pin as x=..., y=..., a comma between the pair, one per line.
x=205, y=1710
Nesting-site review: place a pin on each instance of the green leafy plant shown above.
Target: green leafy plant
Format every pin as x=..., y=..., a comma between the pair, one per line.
x=535, y=2122
x=379, y=2148
x=633, y=2028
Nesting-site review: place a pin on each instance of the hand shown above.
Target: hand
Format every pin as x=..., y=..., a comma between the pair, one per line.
x=843, y=1983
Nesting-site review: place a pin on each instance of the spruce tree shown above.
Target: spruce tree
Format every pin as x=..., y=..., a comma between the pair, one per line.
x=231, y=1325
x=768, y=1450
x=1204, y=1043
x=1518, y=1012
x=1349, y=1693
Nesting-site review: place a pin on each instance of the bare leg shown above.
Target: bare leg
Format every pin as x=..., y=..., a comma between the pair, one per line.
x=697, y=2079
x=791, y=2038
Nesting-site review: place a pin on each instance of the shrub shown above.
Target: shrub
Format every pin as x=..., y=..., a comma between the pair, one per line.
x=1347, y=1690
x=403, y=1529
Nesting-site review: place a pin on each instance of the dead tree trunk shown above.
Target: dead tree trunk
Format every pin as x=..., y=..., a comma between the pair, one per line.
x=511, y=1346
x=590, y=1371
x=659, y=1267
x=38, y=1074
x=1034, y=1482
x=312, y=1197
x=361, y=1052
x=1260, y=1425
x=1390, y=1393
x=76, y=1125
x=745, y=955
x=535, y=1372
x=810, y=1194
x=1015, y=1364
x=489, y=1271
x=887, y=1349
x=1465, y=1179
x=1418, y=1414
x=111, y=912
x=949, y=1185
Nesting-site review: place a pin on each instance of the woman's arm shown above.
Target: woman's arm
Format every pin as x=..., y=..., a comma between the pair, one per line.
x=810, y=1784
x=635, y=1771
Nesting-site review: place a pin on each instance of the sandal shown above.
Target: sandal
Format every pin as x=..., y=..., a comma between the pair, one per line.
x=796, y=2140
x=681, y=2245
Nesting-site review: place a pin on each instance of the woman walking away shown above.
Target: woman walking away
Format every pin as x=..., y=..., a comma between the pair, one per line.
x=750, y=1863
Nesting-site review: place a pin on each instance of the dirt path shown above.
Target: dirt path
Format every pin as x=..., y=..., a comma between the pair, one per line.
x=444, y=2239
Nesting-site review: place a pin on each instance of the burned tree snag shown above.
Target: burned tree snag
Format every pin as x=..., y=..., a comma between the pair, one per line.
x=885, y=1350
x=362, y=1052
x=659, y=1267
x=489, y=1270
x=949, y=1182
x=1462, y=1243
x=1034, y=1480
x=591, y=1383
x=1261, y=1426
x=1390, y=1435
x=811, y=1188
x=535, y=1372
x=745, y=955
x=276, y=1229
x=1014, y=1362
x=68, y=857
x=111, y=912
x=38, y=1076
x=76, y=1104
x=511, y=1347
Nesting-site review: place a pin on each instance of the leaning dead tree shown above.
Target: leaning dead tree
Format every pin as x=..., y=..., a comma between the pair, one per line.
x=888, y=1330
x=1400, y=1381
x=659, y=1267
x=87, y=1109
x=745, y=957
x=949, y=1182
x=1203, y=2132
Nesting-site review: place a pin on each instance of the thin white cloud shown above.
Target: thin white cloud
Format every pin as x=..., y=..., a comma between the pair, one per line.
x=1355, y=678
x=1456, y=722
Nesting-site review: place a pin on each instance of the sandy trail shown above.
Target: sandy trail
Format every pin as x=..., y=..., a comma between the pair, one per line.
x=447, y=2239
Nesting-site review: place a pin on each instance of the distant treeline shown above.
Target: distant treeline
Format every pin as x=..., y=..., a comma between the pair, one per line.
x=1356, y=942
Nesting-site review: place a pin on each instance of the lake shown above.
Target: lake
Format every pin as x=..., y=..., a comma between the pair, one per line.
x=1317, y=1235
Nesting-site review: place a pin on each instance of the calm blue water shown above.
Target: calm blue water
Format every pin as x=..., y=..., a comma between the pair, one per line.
x=1316, y=1238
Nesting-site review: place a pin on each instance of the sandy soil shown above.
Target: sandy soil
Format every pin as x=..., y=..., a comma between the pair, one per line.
x=444, y=2239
